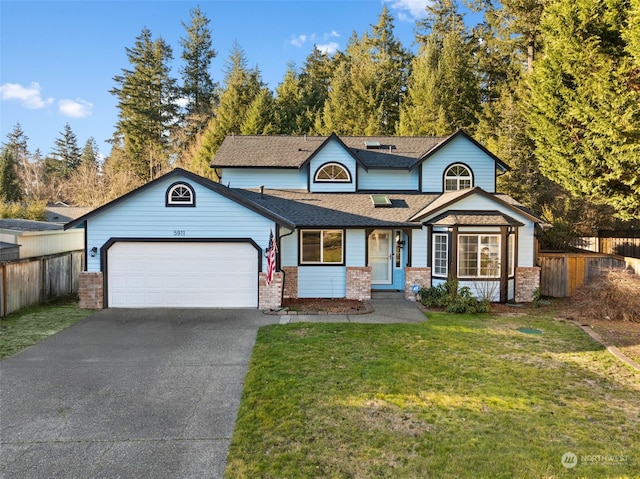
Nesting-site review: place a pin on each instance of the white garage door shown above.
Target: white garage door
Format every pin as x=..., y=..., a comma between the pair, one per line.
x=189, y=275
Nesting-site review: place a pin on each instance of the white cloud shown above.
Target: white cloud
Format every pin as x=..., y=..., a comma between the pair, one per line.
x=77, y=108
x=30, y=96
x=409, y=10
x=328, y=48
x=299, y=40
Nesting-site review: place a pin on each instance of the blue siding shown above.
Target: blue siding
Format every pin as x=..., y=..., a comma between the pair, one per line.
x=289, y=248
x=356, y=248
x=322, y=282
x=253, y=178
x=402, y=180
x=333, y=152
x=459, y=150
x=144, y=215
x=419, y=248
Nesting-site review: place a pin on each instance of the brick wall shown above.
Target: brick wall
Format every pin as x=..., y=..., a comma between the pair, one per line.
x=290, y=281
x=91, y=290
x=270, y=297
x=359, y=282
x=419, y=276
x=527, y=280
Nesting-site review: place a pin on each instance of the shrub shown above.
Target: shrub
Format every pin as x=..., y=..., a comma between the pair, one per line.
x=614, y=295
x=448, y=295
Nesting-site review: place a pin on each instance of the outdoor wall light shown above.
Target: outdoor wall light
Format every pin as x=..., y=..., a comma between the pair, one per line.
x=93, y=252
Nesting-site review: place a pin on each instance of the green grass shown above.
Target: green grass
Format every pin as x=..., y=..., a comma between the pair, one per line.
x=31, y=325
x=456, y=396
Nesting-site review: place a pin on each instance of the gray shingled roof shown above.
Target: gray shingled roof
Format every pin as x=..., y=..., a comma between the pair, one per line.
x=306, y=209
x=292, y=151
x=474, y=218
x=16, y=224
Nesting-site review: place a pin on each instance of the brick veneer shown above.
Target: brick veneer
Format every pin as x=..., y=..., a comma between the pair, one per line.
x=419, y=276
x=359, y=282
x=91, y=290
x=290, y=281
x=270, y=297
x=527, y=280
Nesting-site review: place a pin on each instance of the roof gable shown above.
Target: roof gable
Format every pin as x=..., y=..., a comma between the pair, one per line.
x=180, y=173
x=447, y=200
x=461, y=134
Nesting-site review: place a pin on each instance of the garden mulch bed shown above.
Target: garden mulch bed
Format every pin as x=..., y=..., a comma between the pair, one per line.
x=325, y=306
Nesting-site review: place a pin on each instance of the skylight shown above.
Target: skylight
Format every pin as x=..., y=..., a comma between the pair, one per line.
x=372, y=145
x=380, y=201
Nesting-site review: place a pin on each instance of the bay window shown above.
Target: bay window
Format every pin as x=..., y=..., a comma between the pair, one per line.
x=478, y=256
x=440, y=255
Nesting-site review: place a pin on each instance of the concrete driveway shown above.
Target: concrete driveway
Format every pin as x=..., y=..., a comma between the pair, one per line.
x=127, y=394
x=137, y=394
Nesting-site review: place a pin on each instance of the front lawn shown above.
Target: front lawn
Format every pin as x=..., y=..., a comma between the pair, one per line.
x=31, y=325
x=456, y=396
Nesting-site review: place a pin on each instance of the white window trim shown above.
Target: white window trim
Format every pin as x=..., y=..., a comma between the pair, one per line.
x=325, y=180
x=172, y=202
x=321, y=262
x=478, y=274
x=511, y=253
x=446, y=251
x=457, y=178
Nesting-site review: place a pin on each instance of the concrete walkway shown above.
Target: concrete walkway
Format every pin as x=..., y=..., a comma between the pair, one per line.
x=138, y=394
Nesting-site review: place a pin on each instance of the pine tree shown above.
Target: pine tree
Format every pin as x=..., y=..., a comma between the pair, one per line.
x=198, y=87
x=66, y=153
x=242, y=85
x=443, y=90
x=90, y=153
x=259, y=117
x=147, y=103
x=315, y=80
x=367, y=87
x=585, y=104
x=9, y=185
x=290, y=110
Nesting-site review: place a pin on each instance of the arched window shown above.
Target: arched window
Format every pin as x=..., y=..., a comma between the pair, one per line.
x=180, y=194
x=457, y=177
x=332, y=172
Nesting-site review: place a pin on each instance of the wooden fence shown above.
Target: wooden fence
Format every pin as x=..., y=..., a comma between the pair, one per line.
x=628, y=247
x=31, y=281
x=563, y=273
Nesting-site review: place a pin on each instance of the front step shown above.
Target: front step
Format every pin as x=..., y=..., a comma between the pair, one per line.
x=387, y=294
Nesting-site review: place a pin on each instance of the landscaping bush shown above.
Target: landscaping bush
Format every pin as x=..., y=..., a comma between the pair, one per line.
x=453, y=299
x=615, y=296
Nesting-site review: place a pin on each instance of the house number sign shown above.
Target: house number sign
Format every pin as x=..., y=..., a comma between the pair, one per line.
x=179, y=233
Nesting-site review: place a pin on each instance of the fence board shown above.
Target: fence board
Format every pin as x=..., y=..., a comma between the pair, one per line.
x=562, y=274
x=34, y=280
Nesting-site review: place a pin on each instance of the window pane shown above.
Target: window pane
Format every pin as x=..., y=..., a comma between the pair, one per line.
x=332, y=246
x=489, y=256
x=440, y=259
x=311, y=246
x=468, y=256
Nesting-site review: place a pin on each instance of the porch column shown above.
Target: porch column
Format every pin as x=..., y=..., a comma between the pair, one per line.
x=415, y=276
x=359, y=283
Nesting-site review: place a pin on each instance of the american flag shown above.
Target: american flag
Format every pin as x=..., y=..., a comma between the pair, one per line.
x=272, y=249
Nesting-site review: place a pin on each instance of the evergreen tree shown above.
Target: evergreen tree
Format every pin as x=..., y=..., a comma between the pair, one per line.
x=198, y=87
x=66, y=153
x=290, y=109
x=443, y=91
x=147, y=103
x=9, y=185
x=315, y=80
x=366, y=88
x=242, y=85
x=259, y=117
x=585, y=104
x=90, y=153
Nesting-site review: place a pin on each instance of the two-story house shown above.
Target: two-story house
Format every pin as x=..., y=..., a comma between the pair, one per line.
x=348, y=215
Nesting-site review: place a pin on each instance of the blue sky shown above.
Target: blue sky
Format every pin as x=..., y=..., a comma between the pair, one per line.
x=58, y=58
